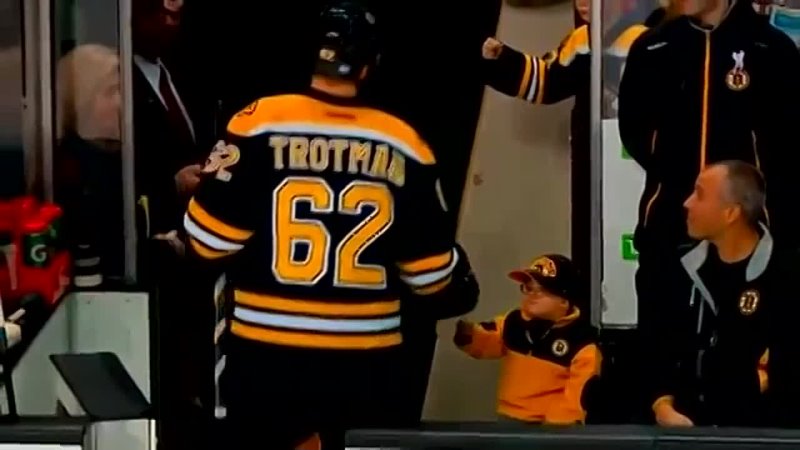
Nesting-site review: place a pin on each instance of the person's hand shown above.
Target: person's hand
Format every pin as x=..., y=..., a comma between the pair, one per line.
x=491, y=48
x=187, y=179
x=668, y=416
x=463, y=334
x=173, y=240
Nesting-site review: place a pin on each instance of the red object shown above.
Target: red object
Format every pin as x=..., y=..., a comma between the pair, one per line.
x=32, y=261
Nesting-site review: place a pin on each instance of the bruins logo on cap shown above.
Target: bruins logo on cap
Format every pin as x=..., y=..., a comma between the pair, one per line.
x=737, y=78
x=748, y=302
x=545, y=267
x=560, y=347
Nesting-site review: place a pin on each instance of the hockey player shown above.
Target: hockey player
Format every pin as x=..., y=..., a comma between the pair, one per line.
x=334, y=212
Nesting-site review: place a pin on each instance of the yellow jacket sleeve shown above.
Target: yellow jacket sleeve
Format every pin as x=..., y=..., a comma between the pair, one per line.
x=585, y=366
x=486, y=340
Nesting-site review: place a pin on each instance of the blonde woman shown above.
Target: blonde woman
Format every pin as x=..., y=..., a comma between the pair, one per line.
x=88, y=93
x=87, y=160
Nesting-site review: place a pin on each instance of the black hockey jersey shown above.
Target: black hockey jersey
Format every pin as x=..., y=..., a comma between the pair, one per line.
x=330, y=206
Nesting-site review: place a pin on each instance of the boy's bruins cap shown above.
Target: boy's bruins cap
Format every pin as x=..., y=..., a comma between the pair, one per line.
x=556, y=273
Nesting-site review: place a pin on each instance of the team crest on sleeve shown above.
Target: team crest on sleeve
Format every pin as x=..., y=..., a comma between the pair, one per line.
x=222, y=157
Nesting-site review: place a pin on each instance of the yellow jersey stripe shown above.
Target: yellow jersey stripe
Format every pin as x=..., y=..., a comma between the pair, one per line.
x=298, y=306
x=526, y=77
x=624, y=41
x=315, y=340
x=425, y=279
x=338, y=325
x=427, y=264
x=299, y=109
x=228, y=232
x=576, y=44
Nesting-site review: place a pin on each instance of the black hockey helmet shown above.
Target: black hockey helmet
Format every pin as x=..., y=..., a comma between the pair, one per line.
x=348, y=40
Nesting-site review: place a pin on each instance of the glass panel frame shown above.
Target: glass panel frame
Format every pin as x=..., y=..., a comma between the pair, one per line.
x=616, y=179
x=125, y=39
x=104, y=25
x=31, y=115
x=12, y=85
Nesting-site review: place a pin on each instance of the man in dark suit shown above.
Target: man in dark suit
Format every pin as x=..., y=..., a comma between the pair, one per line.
x=170, y=148
x=168, y=157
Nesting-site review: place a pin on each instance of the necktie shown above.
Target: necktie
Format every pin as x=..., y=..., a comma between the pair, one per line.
x=174, y=113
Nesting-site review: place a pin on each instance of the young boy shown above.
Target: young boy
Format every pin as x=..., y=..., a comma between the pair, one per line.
x=548, y=352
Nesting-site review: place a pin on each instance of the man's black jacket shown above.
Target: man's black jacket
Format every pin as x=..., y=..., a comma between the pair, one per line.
x=714, y=337
x=691, y=96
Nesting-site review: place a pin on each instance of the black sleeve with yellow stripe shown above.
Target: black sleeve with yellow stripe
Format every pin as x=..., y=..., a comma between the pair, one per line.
x=556, y=76
x=429, y=262
x=220, y=219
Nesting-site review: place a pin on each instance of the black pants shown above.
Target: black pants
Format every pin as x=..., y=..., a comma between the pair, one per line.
x=581, y=222
x=662, y=286
x=581, y=186
x=277, y=397
x=419, y=347
x=182, y=318
x=662, y=297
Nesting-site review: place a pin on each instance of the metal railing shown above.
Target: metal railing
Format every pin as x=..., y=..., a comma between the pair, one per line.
x=497, y=436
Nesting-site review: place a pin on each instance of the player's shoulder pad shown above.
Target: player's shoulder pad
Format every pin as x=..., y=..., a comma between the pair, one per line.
x=400, y=134
x=623, y=43
x=252, y=119
x=579, y=34
x=576, y=43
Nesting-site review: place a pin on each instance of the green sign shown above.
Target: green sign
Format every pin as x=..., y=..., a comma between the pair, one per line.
x=625, y=154
x=629, y=252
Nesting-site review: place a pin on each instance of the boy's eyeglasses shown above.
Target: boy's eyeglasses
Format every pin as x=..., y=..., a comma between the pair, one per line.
x=531, y=289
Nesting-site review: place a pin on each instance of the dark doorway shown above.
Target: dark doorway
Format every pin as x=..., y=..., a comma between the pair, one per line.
x=239, y=50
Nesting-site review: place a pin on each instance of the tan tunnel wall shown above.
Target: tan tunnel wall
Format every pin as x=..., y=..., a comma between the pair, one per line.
x=516, y=205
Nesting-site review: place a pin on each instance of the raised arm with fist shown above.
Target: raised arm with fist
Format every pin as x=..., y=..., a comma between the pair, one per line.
x=491, y=48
